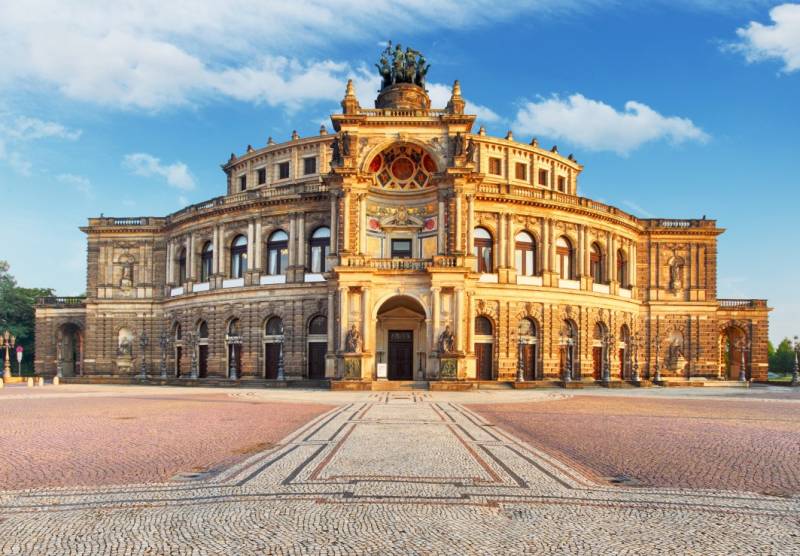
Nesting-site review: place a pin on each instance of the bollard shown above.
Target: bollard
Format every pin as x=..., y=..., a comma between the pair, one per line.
x=1, y=383
x=55, y=381
x=40, y=381
x=30, y=382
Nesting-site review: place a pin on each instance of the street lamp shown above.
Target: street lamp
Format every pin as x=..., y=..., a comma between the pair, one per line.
x=7, y=341
x=608, y=342
x=520, y=361
x=191, y=342
x=566, y=342
x=635, y=356
x=233, y=368
x=795, y=367
x=163, y=341
x=657, y=378
x=281, y=374
x=144, y=341
x=743, y=345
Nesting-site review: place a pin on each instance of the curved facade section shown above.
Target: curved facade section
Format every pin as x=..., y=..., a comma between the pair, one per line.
x=403, y=245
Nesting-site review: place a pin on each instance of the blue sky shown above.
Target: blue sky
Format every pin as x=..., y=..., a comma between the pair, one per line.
x=676, y=108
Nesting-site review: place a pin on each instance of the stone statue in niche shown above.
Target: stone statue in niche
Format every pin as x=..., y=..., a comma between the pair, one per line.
x=458, y=144
x=447, y=341
x=126, y=279
x=470, y=151
x=125, y=346
x=676, y=275
x=352, y=341
x=675, y=357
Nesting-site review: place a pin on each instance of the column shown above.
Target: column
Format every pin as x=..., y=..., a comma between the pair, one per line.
x=344, y=315
x=632, y=265
x=584, y=252
x=442, y=246
x=501, y=247
x=366, y=321
x=458, y=312
x=581, y=233
x=301, y=239
x=544, y=233
x=187, y=243
x=609, y=257
x=334, y=223
x=331, y=320
x=251, y=236
x=346, y=222
x=551, y=253
x=470, y=221
x=471, y=322
x=436, y=312
x=292, y=238
x=170, y=257
x=258, y=264
x=511, y=240
x=191, y=257
x=458, y=244
x=215, y=259
x=362, y=223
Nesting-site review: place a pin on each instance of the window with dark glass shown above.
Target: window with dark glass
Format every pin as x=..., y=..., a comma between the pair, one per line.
x=521, y=171
x=238, y=257
x=283, y=170
x=562, y=183
x=310, y=165
x=483, y=326
x=319, y=248
x=543, y=177
x=483, y=250
x=243, y=182
x=596, y=264
x=564, y=254
x=262, y=176
x=274, y=327
x=401, y=248
x=202, y=330
x=182, y=266
x=206, y=261
x=524, y=254
x=495, y=166
x=277, y=253
x=318, y=325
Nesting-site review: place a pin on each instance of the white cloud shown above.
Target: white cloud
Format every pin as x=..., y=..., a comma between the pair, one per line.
x=594, y=125
x=16, y=131
x=780, y=40
x=638, y=209
x=81, y=184
x=440, y=94
x=149, y=54
x=176, y=174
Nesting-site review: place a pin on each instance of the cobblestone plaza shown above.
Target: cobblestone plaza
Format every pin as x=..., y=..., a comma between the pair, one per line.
x=216, y=471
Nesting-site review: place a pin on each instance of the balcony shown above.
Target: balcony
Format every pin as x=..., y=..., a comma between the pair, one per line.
x=59, y=301
x=743, y=304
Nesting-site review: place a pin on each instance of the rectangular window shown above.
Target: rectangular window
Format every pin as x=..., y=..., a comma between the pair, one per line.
x=521, y=172
x=495, y=166
x=243, y=182
x=262, y=176
x=310, y=165
x=283, y=170
x=543, y=177
x=562, y=183
x=401, y=248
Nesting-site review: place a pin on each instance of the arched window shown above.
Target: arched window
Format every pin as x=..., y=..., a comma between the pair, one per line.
x=206, y=261
x=202, y=330
x=238, y=257
x=318, y=325
x=525, y=254
x=177, y=332
x=319, y=248
x=182, y=266
x=274, y=327
x=277, y=253
x=527, y=328
x=233, y=327
x=596, y=263
x=622, y=269
x=565, y=255
x=483, y=250
x=483, y=326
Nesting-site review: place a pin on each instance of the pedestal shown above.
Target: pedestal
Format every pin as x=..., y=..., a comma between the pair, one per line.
x=352, y=367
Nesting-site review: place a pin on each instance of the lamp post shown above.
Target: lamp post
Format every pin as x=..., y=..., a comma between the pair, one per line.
x=163, y=341
x=520, y=360
x=281, y=374
x=796, y=367
x=233, y=367
x=566, y=343
x=635, y=357
x=7, y=342
x=144, y=341
x=657, y=377
x=191, y=342
x=608, y=343
x=743, y=345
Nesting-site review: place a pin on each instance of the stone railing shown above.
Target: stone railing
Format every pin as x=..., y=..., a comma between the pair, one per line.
x=61, y=301
x=402, y=112
x=742, y=304
x=127, y=222
x=676, y=223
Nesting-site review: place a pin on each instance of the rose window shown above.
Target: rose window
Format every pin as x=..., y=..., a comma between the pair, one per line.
x=403, y=168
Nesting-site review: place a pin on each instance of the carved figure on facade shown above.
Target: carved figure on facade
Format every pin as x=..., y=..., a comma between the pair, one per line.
x=459, y=144
x=447, y=341
x=676, y=274
x=352, y=341
x=126, y=276
x=470, y=150
x=125, y=346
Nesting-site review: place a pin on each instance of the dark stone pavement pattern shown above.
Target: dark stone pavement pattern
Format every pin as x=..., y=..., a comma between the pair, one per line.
x=720, y=444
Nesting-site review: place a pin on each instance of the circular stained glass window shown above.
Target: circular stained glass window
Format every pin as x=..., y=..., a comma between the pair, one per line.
x=403, y=167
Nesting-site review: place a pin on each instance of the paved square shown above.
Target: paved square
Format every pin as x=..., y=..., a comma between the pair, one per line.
x=399, y=474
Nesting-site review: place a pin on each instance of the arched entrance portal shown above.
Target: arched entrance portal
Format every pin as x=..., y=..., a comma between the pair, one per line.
x=733, y=352
x=401, y=338
x=69, y=351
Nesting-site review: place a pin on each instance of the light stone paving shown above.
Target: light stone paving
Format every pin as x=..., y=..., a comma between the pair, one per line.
x=396, y=473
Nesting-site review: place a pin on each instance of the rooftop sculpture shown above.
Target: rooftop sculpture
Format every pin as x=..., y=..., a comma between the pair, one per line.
x=404, y=67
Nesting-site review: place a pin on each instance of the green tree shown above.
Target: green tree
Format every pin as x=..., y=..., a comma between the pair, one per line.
x=782, y=359
x=17, y=312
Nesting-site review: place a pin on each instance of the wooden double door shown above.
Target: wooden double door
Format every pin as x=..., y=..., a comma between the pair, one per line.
x=316, y=359
x=272, y=353
x=400, y=364
x=483, y=360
